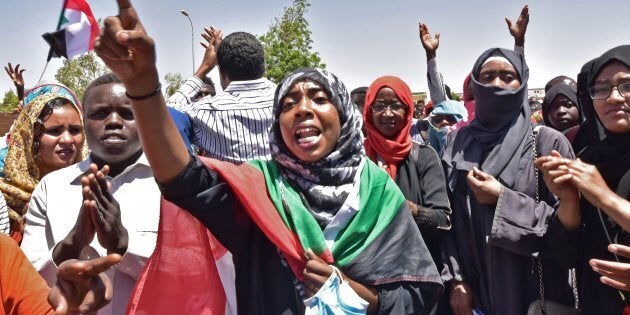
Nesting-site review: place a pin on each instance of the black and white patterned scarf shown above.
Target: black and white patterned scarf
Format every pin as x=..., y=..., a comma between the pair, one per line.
x=324, y=184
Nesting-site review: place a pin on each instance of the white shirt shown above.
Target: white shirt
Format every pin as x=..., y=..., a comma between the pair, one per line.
x=53, y=211
x=233, y=125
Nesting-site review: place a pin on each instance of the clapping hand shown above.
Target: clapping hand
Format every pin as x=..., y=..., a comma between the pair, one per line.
x=104, y=210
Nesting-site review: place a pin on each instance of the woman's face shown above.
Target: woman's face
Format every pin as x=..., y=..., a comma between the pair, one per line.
x=499, y=74
x=309, y=122
x=388, y=113
x=614, y=111
x=563, y=113
x=61, y=143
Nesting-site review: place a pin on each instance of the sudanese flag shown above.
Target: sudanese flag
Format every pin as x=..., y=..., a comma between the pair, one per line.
x=76, y=31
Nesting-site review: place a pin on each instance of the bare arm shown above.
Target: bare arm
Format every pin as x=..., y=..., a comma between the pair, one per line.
x=592, y=186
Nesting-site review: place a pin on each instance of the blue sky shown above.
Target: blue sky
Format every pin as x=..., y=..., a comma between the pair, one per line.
x=358, y=40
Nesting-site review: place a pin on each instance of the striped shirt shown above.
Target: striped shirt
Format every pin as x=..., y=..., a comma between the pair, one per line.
x=233, y=125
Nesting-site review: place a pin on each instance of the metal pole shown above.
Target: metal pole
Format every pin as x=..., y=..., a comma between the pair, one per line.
x=192, y=37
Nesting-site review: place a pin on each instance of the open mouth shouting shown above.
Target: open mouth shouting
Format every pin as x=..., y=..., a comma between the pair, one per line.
x=307, y=136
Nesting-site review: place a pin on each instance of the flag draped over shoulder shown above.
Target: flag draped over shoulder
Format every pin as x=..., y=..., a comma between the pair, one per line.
x=380, y=245
x=76, y=31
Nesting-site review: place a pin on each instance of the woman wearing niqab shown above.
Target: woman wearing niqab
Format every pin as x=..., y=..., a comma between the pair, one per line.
x=496, y=237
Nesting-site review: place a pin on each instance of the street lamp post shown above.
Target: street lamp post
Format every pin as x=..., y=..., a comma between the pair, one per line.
x=192, y=37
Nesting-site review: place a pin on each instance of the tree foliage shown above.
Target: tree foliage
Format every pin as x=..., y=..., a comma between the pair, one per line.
x=288, y=42
x=173, y=82
x=79, y=72
x=9, y=102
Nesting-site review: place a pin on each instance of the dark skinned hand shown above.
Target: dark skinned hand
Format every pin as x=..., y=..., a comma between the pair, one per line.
x=81, y=286
x=105, y=211
x=212, y=40
x=128, y=51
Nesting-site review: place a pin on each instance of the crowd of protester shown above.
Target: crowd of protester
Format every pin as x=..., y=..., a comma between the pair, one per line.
x=304, y=197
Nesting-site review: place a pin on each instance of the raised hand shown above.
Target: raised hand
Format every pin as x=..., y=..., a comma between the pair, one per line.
x=212, y=39
x=81, y=286
x=16, y=76
x=105, y=211
x=429, y=43
x=128, y=51
x=484, y=186
x=518, y=29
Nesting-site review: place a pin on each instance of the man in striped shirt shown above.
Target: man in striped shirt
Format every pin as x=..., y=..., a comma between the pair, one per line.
x=234, y=124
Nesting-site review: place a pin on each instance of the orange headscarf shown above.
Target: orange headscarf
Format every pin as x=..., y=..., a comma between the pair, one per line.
x=394, y=150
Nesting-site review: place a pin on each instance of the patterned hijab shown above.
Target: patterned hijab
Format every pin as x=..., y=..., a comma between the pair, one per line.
x=395, y=150
x=22, y=174
x=324, y=184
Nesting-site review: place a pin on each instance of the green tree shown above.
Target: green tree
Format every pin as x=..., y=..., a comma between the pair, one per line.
x=77, y=73
x=173, y=82
x=9, y=103
x=288, y=41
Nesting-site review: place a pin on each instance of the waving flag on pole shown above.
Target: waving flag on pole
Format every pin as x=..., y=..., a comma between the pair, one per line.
x=76, y=31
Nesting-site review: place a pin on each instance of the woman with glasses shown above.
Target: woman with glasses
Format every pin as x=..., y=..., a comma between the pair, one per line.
x=500, y=210
x=594, y=190
x=415, y=168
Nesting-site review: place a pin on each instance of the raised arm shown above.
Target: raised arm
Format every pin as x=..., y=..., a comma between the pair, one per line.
x=212, y=39
x=430, y=45
x=518, y=29
x=129, y=51
x=18, y=79
x=182, y=99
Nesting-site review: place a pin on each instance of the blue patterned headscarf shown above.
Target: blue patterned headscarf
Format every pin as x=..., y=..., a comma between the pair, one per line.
x=326, y=183
x=46, y=88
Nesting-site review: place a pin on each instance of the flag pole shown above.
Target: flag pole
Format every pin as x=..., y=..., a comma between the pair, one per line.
x=63, y=8
x=50, y=50
x=44, y=71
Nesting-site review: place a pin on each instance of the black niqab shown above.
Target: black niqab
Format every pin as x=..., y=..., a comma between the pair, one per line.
x=498, y=141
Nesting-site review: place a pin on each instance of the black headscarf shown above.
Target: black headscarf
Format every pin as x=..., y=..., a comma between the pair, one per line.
x=325, y=184
x=590, y=130
x=560, y=89
x=498, y=139
x=608, y=151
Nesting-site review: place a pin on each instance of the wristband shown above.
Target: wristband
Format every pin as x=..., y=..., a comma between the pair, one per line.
x=144, y=97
